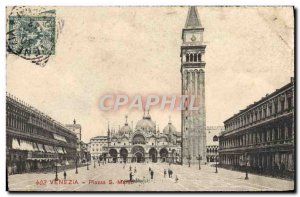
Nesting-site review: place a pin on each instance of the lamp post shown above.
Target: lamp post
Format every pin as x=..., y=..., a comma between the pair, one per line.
x=189, y=159
x=56, y=176
x=87, y=165
x=246, y=177
x=216, y=160
x=199, y=158
x=76, y=171
x=245, y=162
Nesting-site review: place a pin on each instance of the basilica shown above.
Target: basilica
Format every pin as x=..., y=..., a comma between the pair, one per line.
x=144, y=143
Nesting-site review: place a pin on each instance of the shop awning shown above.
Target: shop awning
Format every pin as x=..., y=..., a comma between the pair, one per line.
x=41, y=159
x=49, y=149
x=15, y=144
x=25, y=145
x=60, y=150
x=59, y=137
x=41, y=148
x=35, y=147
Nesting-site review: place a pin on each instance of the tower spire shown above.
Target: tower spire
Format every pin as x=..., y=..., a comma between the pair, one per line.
x=126, y=117
x=193, y=20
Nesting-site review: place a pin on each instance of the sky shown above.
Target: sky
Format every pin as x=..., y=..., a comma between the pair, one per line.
x=136, y=51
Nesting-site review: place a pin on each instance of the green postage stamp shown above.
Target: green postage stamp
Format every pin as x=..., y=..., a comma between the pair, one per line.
x=32, y=34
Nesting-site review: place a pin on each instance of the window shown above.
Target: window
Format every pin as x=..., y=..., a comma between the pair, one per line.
x=282, y=105
x=290, y=132
x=289, y=100
x=191, y=58
x=139, y=139
x=199, y=57
x=260, y=114
x=215, y=138
x=187, y=57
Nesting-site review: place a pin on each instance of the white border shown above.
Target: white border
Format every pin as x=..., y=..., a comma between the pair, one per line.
x=4, y=3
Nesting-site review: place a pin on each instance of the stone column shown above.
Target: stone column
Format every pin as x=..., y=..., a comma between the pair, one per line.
x=147, y=159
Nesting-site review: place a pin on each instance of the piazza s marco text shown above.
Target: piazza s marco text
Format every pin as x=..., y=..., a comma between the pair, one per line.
x=110, y=102
x=43, y=182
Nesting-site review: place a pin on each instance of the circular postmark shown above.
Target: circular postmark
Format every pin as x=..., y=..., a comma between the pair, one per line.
x=32, y=33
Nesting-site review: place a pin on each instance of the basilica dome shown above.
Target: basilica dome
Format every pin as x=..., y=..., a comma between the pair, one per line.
x=146, y=124
x=169, y=129
x=126, y=129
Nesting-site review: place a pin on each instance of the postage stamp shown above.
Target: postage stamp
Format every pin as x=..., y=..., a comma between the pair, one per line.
x=32, y=34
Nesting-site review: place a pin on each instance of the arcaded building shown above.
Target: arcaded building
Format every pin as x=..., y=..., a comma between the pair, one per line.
x=144, y=143
x=35, y=141
x=262, y=135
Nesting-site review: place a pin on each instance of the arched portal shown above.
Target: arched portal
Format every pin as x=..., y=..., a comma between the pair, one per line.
x=114, y=154
x=153, y=154
x=138, y=154
x=124, y=154
x=163, y=154
x=138, y=139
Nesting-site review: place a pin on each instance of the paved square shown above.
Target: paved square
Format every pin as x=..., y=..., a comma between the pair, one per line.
x=110, y=177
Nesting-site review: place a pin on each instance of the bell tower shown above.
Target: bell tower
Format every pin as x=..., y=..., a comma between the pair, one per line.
x=193, y=122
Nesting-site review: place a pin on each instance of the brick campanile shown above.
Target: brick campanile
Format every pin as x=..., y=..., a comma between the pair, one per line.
x=193, y=123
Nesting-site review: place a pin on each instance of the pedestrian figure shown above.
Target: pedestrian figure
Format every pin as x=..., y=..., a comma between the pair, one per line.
x=176, y=179
x=165, y=173
x=282, y=169
x=152, y=173
x=134, y=169
x=130, y=168
x=276, y=169
x=260, y=169
x=65, y=175
x=130, y=176
x=169, y=173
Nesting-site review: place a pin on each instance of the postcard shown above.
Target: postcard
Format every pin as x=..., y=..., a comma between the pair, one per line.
x=150, y=99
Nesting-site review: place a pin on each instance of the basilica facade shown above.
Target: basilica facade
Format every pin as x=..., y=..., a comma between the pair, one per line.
x=144, y=143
